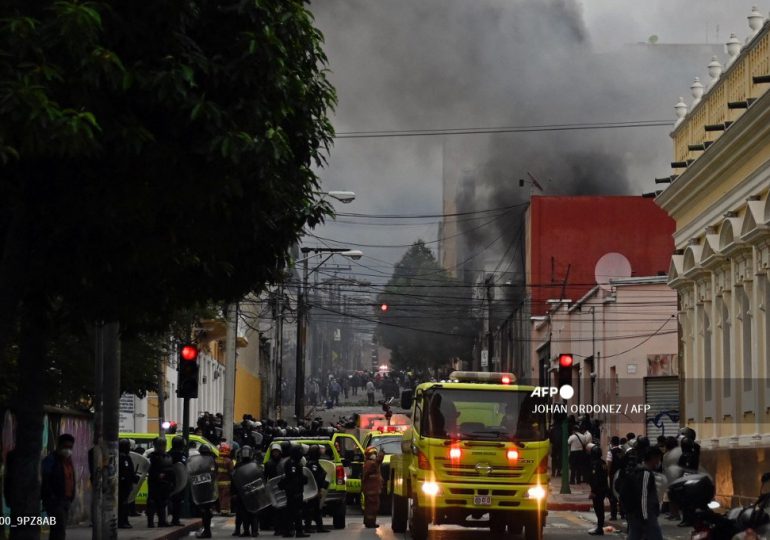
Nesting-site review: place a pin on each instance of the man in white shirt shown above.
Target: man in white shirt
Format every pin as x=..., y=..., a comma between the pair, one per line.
x=578, y=448
x=370, y=392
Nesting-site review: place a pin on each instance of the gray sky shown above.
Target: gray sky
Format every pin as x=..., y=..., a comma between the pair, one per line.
x=412, y=64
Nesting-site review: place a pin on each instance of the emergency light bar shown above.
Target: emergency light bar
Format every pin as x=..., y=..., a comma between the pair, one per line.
x=491, y=377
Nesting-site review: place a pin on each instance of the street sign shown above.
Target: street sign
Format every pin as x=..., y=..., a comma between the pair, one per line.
x=484, y=358
x=127, y=412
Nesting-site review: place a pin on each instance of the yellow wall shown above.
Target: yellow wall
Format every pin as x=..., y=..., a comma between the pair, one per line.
x=732, y=178
x=248, y=394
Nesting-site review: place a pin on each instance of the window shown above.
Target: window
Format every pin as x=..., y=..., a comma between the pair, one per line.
x=389, y=445
x=746, y=350
x=726, y=347
x=482, y=414
x=707, y=359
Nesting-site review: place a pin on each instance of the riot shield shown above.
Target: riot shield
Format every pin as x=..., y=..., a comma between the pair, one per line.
x=331, y=476
x=276, y=494
x=311, y=489
x=250, y=486
x=141, y=467
x=202, y=472
x=670, y=464
x=180, y=478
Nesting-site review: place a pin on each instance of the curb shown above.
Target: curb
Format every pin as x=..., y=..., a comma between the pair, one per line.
x=573, y=507
x=180, y=532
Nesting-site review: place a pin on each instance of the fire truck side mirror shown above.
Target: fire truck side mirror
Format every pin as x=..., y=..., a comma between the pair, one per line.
x=407, y=397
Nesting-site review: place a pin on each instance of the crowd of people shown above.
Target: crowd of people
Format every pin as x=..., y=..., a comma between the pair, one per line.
x=338, y=386
x=625, y=474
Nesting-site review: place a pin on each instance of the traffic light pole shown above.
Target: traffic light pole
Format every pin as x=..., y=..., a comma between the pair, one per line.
x=564, y=458
x=186, y=419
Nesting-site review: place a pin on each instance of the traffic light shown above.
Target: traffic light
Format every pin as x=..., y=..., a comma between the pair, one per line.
x=384, y=307
x=187, y=382
x=565, y=369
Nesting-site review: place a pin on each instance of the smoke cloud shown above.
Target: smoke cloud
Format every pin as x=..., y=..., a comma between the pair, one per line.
x=402, y=64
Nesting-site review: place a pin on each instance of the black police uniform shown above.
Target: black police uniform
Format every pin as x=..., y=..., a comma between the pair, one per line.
x=294, y=484
x=313, y=507
x=126, y=478
x=178, y=455
x=599, y=488
x=160, y=483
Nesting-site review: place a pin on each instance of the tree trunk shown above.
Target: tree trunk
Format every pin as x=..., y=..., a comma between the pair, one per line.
x=24, y=472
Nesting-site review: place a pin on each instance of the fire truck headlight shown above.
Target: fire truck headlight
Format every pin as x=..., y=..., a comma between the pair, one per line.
x=431, y=489
x=536, y=492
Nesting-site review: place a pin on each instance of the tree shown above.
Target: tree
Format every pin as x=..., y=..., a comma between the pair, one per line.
x=428, y=320
x=153, y=156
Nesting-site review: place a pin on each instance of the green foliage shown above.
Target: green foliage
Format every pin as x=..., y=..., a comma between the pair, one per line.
x=163, y=152
x=158, y=156
x=429, y=320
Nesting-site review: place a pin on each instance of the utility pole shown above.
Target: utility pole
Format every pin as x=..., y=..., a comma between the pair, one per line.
x=96, y=491
x=230, y=362
x=489, y=283
x=105, y=452
x=161, y=395
x=299, y=386
x=279, y=358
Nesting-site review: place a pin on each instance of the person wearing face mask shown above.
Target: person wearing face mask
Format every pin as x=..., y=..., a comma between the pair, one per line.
x=58, y=485
x=371, y=484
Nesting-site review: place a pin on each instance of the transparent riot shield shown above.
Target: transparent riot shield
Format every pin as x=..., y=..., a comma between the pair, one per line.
x=141, y=467
x=202, y=472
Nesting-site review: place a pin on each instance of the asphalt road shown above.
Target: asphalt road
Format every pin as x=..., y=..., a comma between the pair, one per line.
x=559, y=525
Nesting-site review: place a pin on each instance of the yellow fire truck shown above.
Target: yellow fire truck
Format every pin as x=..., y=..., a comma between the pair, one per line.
x=477, y=447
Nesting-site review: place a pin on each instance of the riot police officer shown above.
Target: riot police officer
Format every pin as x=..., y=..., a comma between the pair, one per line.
x=178, y=455
x=207, y=464
x=160, y=483
x=313, y=506
x=294, y=484
x=244, y=518
x=126, y=478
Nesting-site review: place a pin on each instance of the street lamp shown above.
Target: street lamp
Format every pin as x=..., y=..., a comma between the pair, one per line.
x=344, y=197
x=299, y=388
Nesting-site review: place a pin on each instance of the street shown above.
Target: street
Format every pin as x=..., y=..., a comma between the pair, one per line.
x=559, y=525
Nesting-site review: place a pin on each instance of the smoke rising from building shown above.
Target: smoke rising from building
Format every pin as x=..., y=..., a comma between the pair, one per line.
x=455, y=63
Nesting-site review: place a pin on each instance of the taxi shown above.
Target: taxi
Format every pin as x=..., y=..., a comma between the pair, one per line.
x=144, y=441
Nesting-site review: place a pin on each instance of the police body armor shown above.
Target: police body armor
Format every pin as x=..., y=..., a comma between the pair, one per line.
x=278, y=496
x=202, y=472
x=181, y=478
x=250, y=487
x=141, y=467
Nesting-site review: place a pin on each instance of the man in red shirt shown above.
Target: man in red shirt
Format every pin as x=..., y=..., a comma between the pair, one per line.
x=58, y=487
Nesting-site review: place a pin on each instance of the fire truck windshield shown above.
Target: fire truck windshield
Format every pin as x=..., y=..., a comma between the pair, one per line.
x=481, y=414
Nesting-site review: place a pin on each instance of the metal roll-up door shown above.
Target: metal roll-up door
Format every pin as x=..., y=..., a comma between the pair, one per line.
x=662, y=395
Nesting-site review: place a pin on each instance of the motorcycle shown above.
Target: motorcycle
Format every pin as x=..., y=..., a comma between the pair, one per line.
x=695, y=493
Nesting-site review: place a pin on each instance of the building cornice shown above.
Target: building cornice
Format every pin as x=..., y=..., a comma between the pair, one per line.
x=705, y=174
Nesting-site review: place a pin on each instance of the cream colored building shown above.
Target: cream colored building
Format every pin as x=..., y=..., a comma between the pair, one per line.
x=719, y=201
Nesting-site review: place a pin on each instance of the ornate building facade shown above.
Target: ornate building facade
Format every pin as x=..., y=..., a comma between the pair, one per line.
x=718, y=197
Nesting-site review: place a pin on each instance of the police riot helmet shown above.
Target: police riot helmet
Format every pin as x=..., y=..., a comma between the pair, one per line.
x=205, y=450
x=124, y=446
x=159, y=445
x=285, y=448
x=177, y=443
x=687, y=444
x=247, y=452
x=687, y=432
x=314, y=453
x=642, y=444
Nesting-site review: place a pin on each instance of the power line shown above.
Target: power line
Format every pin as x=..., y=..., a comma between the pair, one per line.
x=499, y=129
x=432, y=216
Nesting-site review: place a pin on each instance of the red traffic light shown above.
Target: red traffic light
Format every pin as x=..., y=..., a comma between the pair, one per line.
x=384, y=307
x=565, y=360
x=189, y=353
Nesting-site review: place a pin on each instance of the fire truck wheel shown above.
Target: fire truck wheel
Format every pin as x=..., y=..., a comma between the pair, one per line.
x=400, y=513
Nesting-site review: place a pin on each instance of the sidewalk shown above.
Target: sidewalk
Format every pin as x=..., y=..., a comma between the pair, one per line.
x=576, y=501
x=141, y=531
